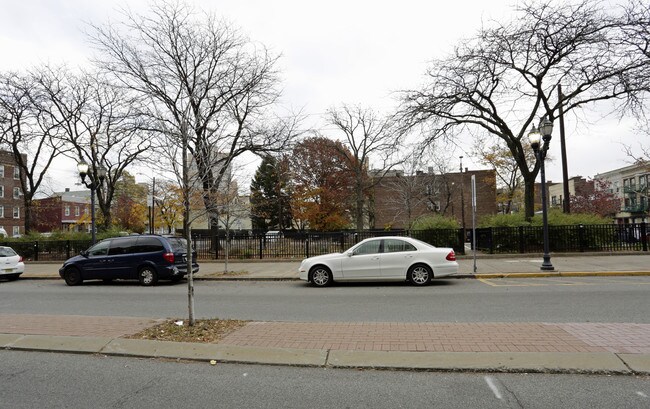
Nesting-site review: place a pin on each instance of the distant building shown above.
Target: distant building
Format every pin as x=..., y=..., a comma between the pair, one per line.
x=65, y=211
x=630, y=184
x=578, y=186
x=399, y=200
x=12, y=214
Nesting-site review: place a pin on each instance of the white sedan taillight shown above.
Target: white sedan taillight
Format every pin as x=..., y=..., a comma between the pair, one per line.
x=451, y=256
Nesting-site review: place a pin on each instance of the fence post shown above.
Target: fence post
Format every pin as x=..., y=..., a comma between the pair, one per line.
x=581, y=238
x=644, y=236
x=491, y=240
x=36, y=250
x=521, y=240
x=67, y=249
x=307, y=246
x=261, y=245
x=461, y=237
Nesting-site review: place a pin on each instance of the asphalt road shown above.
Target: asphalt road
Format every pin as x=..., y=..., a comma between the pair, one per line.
x=36, y=379
x=591, y=299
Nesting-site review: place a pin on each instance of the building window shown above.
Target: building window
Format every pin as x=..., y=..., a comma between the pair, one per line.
x=67, y=211
x=2, y=191
x=553, y=200
x=16, y=231
x=76, y=211
x=2, y=211
x=16, y=172
x=16, y=212
x=2, y=171
x=16, y=193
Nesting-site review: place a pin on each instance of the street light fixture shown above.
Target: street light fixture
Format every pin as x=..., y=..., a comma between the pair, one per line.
x=535, y=136
x=95, y=179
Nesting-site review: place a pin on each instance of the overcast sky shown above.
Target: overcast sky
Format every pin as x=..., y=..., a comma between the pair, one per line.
x=333, y=52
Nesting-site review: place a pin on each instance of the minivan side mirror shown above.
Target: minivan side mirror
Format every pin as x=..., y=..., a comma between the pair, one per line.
x=84, y=253
x=349, y=253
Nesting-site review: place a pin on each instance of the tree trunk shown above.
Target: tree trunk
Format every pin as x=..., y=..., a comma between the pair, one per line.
x=529, y=195
x=27, y=204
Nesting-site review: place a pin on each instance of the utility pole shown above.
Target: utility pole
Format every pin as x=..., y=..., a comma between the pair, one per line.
x=566, y=206
x=462, y=195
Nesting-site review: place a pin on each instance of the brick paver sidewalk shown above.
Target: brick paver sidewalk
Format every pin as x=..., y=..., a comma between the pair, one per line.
x=372, y=336
x=446, y=337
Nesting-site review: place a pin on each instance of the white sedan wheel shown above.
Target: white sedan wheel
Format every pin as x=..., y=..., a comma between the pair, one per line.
x=420, y=275
x=321, y=277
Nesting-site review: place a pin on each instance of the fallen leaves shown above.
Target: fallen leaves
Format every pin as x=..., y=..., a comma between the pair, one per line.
x=205, y=331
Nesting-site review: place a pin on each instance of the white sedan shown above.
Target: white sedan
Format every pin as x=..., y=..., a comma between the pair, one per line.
x=384, y=259
x=11, y=264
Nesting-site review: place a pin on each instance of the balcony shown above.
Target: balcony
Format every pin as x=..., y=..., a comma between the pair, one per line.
x=641, y=208
x=634, y=189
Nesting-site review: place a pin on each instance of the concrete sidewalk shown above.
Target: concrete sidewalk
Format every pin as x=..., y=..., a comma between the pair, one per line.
x=487, y=267
x=603, y=348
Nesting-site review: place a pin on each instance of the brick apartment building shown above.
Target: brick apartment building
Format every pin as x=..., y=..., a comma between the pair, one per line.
x=401, y=199
x=12, y=217
x=66, y=211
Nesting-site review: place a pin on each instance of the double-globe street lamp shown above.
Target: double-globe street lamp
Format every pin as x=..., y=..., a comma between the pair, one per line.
x=95, y=179
x=536, y=135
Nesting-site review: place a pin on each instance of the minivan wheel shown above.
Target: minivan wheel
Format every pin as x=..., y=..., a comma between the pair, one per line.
x=147, y=276
x=72, y=276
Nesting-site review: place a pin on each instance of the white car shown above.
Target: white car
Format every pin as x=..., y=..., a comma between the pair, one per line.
x=11, y=264
x=383, y=259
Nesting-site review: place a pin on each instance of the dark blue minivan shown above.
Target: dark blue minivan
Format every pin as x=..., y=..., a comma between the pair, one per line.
x=147, y=258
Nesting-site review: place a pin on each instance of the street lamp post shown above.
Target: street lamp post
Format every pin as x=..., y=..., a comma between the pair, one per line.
x=95, y=179
x=543, y=132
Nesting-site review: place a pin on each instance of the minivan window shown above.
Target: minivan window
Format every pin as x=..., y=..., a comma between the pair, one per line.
x=149, y=245
x=99, y=249
x=121, y=246
x=177, y=243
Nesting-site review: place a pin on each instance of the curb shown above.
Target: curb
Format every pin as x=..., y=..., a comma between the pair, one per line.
x=502, y=362
x=478, y=276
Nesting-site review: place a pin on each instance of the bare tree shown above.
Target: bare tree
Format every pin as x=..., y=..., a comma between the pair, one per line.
x=508, y=75
x=206, y=88
x=99, y=122
x=368, y=136
x=200, y=73
x=638, y=36
x=30, y=134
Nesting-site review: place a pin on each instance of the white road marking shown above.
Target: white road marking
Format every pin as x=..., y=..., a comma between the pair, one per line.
x=490, y=381
x=641, y=394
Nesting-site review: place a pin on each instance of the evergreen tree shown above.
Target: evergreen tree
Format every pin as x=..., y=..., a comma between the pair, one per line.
x=270, y=207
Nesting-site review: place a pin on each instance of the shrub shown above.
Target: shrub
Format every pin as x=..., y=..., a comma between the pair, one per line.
x=435, y=222
x=555, y=218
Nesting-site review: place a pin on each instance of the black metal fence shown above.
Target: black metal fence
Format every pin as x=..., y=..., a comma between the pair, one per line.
x=298, y=245
x=51, y=250
x=567, y=239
